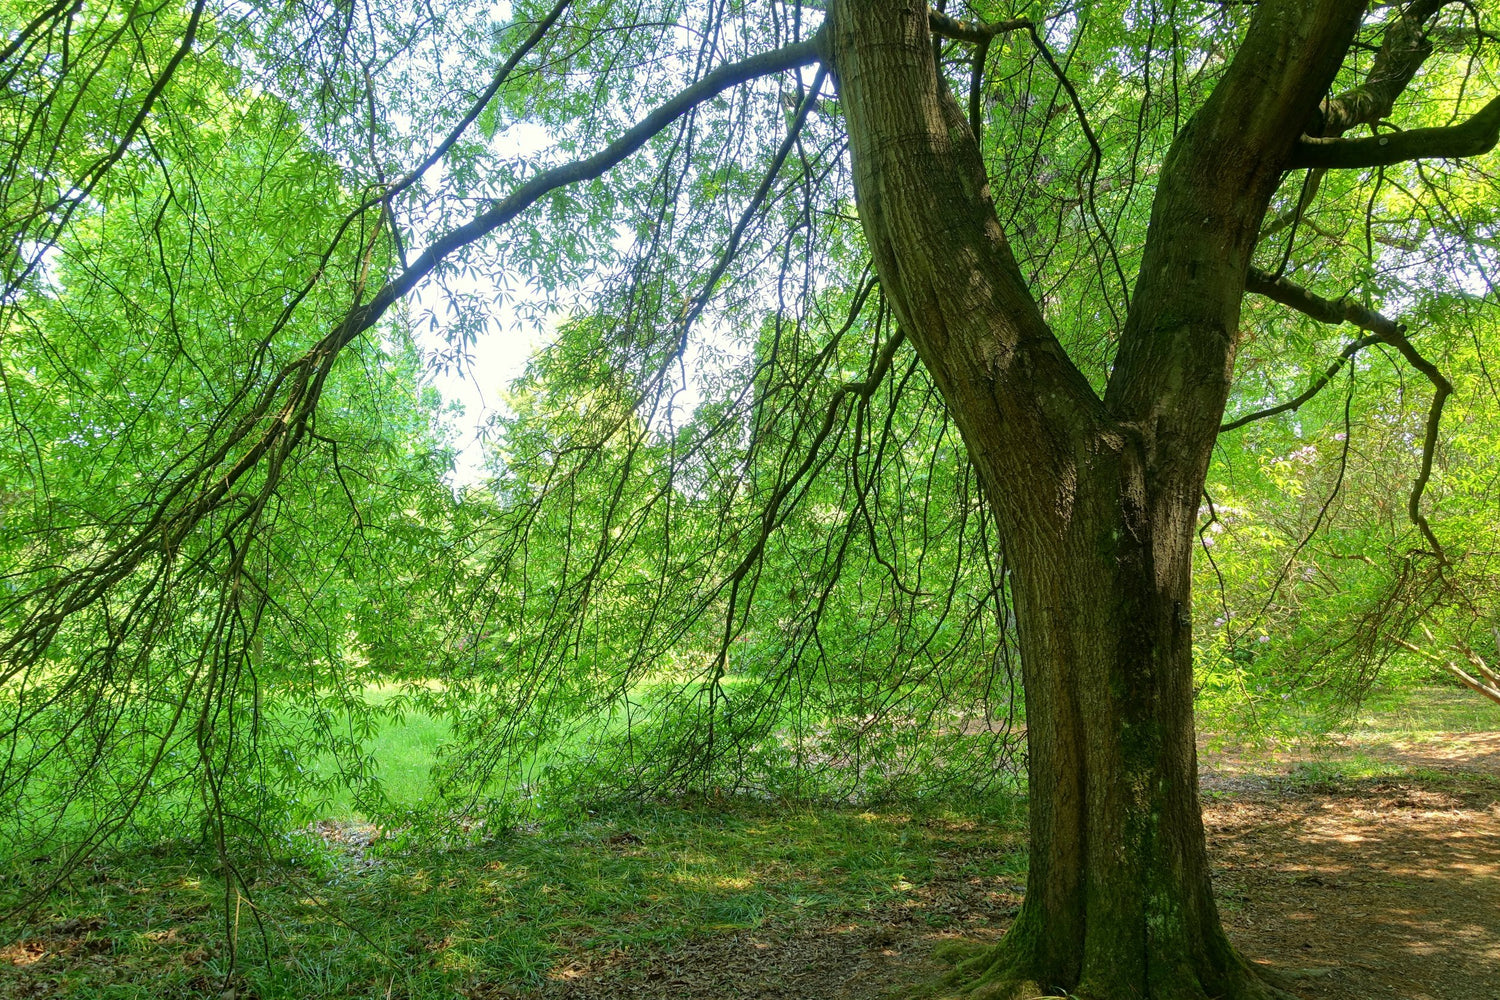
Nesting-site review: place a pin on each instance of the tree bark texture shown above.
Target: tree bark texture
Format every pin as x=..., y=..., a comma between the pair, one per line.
x=1096, y=498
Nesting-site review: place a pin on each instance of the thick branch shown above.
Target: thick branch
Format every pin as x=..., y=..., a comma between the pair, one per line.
x=1402, y=52
x=925, y=201
x=976, y=89
x=976, y=32
x=361, y=318
x=1492, y=693
x=770, y=517
x=1470, y=138
x=502, y=212
x=1477, y=662
x=1323, y=310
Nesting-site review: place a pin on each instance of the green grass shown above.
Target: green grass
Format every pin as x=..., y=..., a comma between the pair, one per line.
x=1368, y=747
x=1312, y=719
x=433, y=921
x=1422, y=711
x=404, y=750
x=1333, y=772
x=427, y=919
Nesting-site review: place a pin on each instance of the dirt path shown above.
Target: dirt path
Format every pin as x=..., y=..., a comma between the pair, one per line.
x=1348, y=890
x=1371, y=889
x=1381, y=889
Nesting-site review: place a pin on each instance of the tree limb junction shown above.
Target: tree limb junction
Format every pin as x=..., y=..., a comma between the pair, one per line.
x=975, y=32
x=1477, y=135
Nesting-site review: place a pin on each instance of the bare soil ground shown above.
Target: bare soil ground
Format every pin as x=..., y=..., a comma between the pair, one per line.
x=1373, y=888
x=1348, y=889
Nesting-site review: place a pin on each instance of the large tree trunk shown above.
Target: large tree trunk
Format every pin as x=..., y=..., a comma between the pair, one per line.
x=1096, y=498
x=1118, y=899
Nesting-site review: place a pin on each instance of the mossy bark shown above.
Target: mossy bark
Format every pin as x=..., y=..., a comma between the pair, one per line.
x=1118, y=901
x=1096, y=497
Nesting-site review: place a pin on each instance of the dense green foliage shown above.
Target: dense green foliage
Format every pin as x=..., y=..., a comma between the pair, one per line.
x=729, y=540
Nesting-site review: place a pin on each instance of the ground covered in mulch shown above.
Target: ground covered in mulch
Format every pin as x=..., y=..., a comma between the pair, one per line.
x=1348, y=888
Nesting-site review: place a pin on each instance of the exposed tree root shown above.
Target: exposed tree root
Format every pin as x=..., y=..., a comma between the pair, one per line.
x=983, y=971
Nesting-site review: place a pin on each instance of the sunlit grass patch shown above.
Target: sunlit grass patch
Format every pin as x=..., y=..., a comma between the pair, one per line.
x=1425, y=710
x=427, y=920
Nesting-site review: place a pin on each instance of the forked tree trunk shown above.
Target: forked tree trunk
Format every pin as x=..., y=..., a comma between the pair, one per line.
x=1096, y=498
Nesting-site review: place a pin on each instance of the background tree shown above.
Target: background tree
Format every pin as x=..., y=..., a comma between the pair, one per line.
x=1054, y=269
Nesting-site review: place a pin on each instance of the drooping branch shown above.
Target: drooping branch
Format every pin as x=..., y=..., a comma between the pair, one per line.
x=862, y=389
x=1292, y=405
x=1386, y=331
x=782, y=498
x=980, y=34
x=1405, y=48
x=82, y=187
x=1473, y=137
x=279, y=419
x=1294, y=215
x=1096, y=158
x=1442, y=389
x=696, y=305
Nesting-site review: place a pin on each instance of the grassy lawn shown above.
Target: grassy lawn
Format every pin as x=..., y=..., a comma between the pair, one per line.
x=1425, y=712
x=423, y=921
x=345, y=910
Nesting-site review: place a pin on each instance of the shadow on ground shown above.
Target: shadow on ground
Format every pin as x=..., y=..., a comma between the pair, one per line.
x=1381, y=888
x=1361, y=889
x=1351, y=879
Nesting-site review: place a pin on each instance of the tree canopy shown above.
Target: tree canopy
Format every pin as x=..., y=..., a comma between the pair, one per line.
x=896, y=353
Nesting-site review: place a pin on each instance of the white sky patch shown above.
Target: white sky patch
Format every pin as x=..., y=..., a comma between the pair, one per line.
x=480, y=379
x=482, y=374
x=479, y=382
